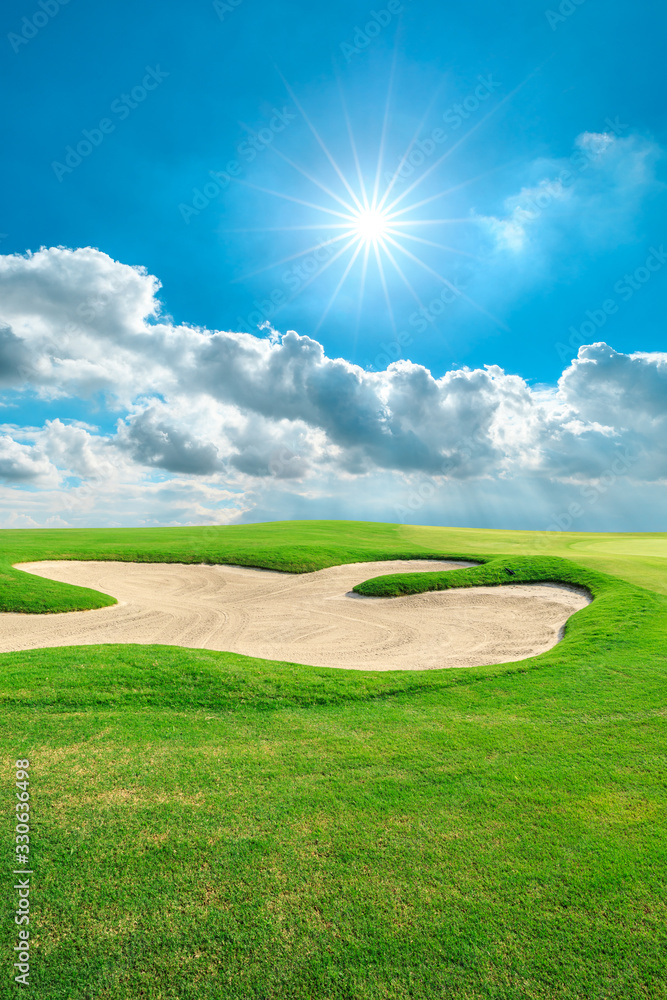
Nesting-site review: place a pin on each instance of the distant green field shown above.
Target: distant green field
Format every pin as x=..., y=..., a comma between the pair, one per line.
x=207, y=825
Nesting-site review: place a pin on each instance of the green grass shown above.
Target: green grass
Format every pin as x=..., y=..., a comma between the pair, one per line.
x=209, y=825
x=639, y=557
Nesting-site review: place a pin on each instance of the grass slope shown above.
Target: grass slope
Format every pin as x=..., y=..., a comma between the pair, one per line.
x=214, y=826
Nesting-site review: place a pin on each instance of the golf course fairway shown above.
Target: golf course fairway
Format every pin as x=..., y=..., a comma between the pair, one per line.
x=210, y=825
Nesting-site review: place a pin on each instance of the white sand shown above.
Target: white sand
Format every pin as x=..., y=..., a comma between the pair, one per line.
x=309, y=618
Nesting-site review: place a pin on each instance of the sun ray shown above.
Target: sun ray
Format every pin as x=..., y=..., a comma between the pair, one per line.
x=320, y=142
x=442, y=194
x=322, y=187
x=324, y=268
x=463, y=138
x=430, y=243
x=338, y=287
x=402, y=275
x=289, y=197
x=453, y=288
x=427, y=222
x=362, y=288
x=384, y=286
x=419, y=302
x=288, y=229
x=383, y=134
x=408, y=149
x=353, y=145
x=286, y=260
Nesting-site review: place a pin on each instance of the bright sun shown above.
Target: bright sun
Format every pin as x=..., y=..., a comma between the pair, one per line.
x=370, y=225
x=370, y=220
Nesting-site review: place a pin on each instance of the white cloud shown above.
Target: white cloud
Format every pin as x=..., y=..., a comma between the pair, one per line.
x=217, y=426
x=23, y=463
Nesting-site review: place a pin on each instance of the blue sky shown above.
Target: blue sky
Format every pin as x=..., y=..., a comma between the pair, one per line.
x=530, y=140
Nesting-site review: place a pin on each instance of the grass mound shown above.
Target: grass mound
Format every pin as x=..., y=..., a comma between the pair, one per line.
x=491, y=573
x=26, y=594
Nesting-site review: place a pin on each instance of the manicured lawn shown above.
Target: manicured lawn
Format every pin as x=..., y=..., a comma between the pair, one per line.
x=207, y=825
x=638, y=557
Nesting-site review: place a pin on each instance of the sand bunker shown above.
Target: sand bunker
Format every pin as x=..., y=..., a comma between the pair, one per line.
x=309, y=618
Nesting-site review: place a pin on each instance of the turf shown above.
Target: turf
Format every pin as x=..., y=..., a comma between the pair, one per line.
x=214, y=826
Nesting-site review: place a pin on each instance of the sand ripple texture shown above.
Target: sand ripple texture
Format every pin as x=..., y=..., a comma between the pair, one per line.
x=309, y=618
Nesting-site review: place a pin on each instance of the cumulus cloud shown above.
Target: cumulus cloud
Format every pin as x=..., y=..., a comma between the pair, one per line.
x=157, y=442
x=78, y=450
x=14, y=358
x=75, y=321
x=606, y=385
x=215, y=424
x=21, y=463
